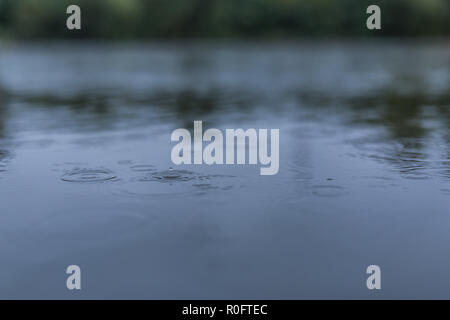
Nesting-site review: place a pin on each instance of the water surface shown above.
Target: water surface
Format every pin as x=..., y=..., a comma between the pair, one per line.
x=86, y=176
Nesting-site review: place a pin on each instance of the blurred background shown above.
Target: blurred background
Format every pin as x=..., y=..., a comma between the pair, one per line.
x=261, y=19
x=85, y=171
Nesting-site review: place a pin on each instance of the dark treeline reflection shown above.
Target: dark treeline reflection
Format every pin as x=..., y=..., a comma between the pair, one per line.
x=392, y=98
x=406, y=124
x=98, y=111
x=3, y=152
x=3, y=101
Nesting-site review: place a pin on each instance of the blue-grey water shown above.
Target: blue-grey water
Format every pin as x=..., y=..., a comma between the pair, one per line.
x=364, y=173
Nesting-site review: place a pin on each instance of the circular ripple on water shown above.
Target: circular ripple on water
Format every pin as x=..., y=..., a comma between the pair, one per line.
x=175, y=182
x=88, y=175
x=171, y=176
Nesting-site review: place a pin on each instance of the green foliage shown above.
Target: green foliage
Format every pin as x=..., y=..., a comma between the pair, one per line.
x=137, y=19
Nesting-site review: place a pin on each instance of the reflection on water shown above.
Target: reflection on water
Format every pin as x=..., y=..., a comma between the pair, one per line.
x=408, y=126
x=365, y=164
x=3, y=157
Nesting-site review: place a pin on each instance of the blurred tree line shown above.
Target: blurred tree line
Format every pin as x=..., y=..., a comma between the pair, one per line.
x=141, y=19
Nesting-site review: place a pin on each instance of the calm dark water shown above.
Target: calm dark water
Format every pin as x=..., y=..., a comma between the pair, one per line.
x=364, y=170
